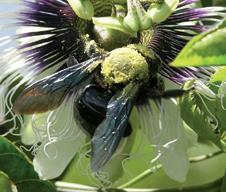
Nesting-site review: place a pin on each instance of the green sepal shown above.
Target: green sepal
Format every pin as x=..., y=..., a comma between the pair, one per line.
x=137, y=18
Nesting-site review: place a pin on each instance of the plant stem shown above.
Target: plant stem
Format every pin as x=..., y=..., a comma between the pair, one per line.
x=141, y=176
x=158, y=167
x=71, y=187
x=205, y=157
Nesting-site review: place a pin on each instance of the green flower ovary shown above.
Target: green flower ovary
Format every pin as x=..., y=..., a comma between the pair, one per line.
x=86, y=9
x=124, y=65
x=102, y=7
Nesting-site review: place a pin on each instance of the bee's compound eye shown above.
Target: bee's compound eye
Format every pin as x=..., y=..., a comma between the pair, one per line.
x=124, y=65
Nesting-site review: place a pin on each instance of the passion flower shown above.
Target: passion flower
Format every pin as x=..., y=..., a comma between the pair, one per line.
x=76, y=89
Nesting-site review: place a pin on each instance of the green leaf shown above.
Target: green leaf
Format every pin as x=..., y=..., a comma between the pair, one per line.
x=20, y=170
x=219, y=76
x=223, y=187
x=197, y=119
x=16, y=167
x=207, y=49
x=14, y=163
x=8, y=147
x=5, y=184
x=35, y=186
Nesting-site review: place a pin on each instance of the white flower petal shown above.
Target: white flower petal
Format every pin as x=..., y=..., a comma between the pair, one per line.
x=8, y=89
x=164, y=128
x=113, y=170
x=174, y=156
x=221, y=94
x=29, y=29
x=175, y=160
x=27, y=132
x=203, y=89
x=34, y=128
x=190, y=136
x=61, y=138
x=2, y=103
x=51, y=160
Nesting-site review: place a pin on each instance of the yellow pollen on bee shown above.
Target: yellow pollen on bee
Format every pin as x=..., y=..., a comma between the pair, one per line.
x=124, y=65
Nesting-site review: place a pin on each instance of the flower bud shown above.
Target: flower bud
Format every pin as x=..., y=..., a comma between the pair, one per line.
x=83, y=8
x=159, y=12
x=112, y=23
x=137, y=18
x=131, y=20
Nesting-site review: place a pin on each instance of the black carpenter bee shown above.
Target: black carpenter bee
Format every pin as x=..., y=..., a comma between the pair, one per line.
x=107, y=86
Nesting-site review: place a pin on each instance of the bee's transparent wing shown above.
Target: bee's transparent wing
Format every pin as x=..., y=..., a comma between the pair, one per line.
x=110, y=132
x=48, y=93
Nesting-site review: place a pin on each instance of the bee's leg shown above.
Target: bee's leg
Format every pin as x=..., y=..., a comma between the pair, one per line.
x=156, y=93
x=128, y=130
x=72, y=61
x=175, y=93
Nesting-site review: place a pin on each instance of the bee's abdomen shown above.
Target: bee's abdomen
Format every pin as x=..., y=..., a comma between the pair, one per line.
x=92, y=108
